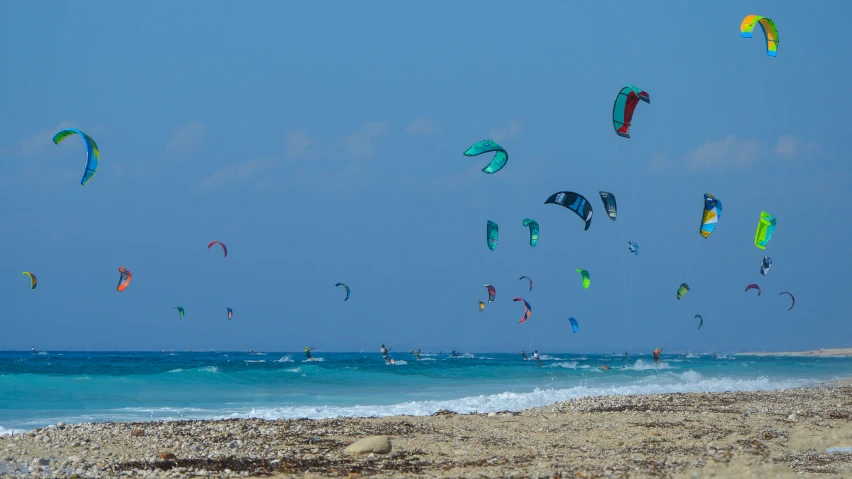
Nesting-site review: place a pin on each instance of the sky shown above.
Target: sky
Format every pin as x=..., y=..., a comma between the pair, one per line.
x=322, y=143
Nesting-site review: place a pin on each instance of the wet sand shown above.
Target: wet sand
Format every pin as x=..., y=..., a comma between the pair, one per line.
x=817, y=352
x=770, y=434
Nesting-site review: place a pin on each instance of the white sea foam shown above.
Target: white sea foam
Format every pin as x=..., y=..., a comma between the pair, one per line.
x=689, y=381
x=284, y=359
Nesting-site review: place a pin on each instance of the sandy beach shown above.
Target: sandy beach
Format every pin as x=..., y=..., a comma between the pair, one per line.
x=744, y=434
x=838, y=352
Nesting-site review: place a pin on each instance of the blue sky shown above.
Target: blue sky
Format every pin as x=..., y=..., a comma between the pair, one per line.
x=322, y=141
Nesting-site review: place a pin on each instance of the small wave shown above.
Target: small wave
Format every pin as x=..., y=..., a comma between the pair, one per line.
x=512, y=401
x=209, y=369
x=42, y=353
x=297, y=369
x=284, y=359
x=564, y=364
x=426, y=359
x=314, y=360
x=6, y=432
x=254, y=360
x=691, y=356
x=398, y=362
x=546, y=357
x=178, y=370
x=642, y=365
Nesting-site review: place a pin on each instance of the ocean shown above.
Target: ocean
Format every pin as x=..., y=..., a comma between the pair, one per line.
x=40, y=389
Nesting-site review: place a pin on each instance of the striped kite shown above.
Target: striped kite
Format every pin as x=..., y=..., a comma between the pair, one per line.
x=770, y=32
x=711, y=215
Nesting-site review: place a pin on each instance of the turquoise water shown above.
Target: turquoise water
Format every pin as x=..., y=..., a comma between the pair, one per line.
x=44, y=388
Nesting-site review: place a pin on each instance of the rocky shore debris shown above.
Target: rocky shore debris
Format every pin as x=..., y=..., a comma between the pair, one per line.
x=729, y=434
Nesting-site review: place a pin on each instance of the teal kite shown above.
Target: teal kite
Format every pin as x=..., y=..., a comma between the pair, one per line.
x=698, y=316
x=492, y=232
x=533, y=230
x=485, y=146
x=94, y=155
x=622, y=109
x=180, y=310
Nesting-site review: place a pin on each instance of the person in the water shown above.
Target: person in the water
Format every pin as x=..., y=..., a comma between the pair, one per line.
x=384, y=351
x=524, y=355
x=308, y=350
x=455, y=354
x=714, y=355
x=535, y=356
x=32, y=350
x=657, y=355
x=416, y=353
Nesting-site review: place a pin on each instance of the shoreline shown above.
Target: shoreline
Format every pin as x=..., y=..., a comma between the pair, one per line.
x=775, y=433
x=836, y=352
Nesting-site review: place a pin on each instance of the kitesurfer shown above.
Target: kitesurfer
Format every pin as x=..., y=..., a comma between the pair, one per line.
x=384, y=351
x=455, y=354
x=416, y=353
x=524, y=355
x=714, y=355
x=308, y=350
x=535, y=356
x=605, y=367
x=32, y=350
x=657, y=355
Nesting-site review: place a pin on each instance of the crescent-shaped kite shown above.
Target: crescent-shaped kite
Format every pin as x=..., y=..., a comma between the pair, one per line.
x=224, y=248
x=93, y=155
x=485, y=146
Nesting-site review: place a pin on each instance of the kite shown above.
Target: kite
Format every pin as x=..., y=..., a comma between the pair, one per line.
x=492, y=232
x=712, y=213
x=609, y=203
x=770, y=32
x=180, y=310
x=764, y=230
x=574, y=325
x=230, y=314
x=481, y=305
x=574, y=202
x=622, y=109
x=753, y=286
x=682, y=290
x=791, y=297
x=765, y=265
x=491, y=293
x=33, y=281
x=533, y=230
x=224, y=248
x=123, y=279
x=702, y=320
x=527, y=309
x=585, y=276
x=500, y=156
x=633, y=247
x=528, y=278
x=347, y=290
x=93, y=156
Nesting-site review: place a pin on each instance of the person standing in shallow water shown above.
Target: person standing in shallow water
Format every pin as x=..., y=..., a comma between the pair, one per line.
x=657, y=355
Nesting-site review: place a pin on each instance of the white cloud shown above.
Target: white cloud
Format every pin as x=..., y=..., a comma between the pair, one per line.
x=786, y=147
x=506, y=133
x=40, y=143
x=728, y=152
x=186, y=140
x=298, y=143
x=361, y=144
x=420, y=126
x=243, y=172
